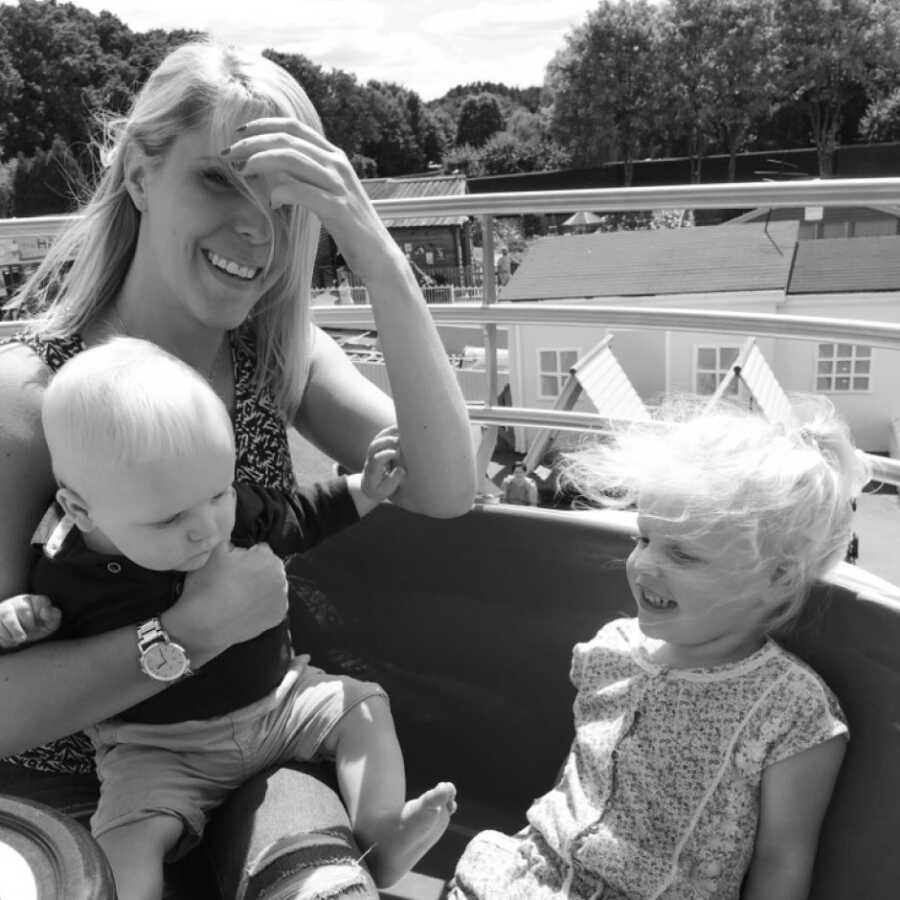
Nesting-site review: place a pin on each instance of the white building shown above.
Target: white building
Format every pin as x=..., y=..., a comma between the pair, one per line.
x=753, y=266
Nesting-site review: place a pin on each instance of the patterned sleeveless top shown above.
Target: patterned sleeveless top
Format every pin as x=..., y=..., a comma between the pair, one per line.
x=263, y=457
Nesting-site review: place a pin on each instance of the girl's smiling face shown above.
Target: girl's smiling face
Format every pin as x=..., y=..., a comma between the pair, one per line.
x=204, y=244
x=698, y=590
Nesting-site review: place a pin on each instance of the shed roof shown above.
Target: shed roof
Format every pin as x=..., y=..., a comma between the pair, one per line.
x=668, y=261
x=424, y=186
x=839, y=265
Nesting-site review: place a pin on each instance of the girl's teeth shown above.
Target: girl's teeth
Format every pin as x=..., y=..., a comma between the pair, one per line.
x=656, y=601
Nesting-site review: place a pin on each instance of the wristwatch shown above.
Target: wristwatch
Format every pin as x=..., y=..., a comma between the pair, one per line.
x=160, y=657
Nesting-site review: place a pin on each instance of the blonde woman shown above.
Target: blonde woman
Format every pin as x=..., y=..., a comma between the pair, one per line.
x=201, y=237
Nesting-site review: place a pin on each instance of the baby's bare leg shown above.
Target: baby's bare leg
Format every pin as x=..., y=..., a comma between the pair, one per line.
x=136, y=852
x=396, y=833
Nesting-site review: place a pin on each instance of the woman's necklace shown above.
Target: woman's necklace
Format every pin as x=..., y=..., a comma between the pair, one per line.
x=210, y=375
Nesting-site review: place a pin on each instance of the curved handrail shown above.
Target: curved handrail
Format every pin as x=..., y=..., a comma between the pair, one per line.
x=731, y=195
x=812, y=328
x=812, y=192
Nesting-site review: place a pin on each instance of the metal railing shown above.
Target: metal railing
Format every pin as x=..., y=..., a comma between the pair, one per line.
x=490, y=314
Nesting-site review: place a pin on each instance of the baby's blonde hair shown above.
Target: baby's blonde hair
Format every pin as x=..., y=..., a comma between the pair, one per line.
x=782, y=490
x=124, y=403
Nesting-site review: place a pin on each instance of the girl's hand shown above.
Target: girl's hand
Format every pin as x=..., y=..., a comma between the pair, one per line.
x=302, y=168
x=236, y=596
x=26, y=618
x=383, y=472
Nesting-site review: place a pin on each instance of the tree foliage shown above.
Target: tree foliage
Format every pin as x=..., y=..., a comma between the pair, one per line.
x=881, y=121
x=638, y=78
x=50, y=181
x=604, y=85
x=720, y=76
x=825, y=50
x=479, y=120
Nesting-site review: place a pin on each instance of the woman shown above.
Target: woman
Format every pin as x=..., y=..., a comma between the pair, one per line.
x=201, y=237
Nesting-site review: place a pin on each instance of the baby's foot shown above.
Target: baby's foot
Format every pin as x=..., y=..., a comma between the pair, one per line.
x=421, y=823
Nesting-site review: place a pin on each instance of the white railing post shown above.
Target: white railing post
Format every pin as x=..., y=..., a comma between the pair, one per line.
x=488, y=296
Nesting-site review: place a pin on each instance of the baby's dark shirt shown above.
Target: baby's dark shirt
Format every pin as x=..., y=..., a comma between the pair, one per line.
x=97, y=592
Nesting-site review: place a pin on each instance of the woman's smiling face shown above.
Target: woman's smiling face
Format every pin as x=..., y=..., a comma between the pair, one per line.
x=204, y=243
x=700, y=591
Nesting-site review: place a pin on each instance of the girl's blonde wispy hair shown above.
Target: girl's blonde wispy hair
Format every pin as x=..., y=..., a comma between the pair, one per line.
x=782, y=491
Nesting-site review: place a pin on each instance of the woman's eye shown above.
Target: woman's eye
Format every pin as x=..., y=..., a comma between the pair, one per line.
x=217, y=177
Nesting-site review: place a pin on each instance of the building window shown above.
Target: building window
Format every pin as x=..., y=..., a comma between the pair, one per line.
x=553, y=370
x=843, y=367
x=713, y=364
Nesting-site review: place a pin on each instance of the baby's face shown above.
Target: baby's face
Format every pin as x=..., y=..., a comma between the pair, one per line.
x=168, y=515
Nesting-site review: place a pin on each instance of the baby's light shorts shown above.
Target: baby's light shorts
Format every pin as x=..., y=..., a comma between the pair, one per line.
x=186, y=769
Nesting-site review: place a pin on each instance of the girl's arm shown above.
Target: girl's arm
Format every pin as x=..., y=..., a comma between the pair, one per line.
x=53, y=688
x=794, y=796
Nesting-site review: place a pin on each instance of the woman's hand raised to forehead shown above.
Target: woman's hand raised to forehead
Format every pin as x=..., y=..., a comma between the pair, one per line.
x=303, y=168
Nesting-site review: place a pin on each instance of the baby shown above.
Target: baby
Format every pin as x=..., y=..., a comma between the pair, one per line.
x=143, y=453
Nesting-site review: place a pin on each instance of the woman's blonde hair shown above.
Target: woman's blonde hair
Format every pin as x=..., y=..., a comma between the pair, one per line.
x=782, y=491
x=200, y=84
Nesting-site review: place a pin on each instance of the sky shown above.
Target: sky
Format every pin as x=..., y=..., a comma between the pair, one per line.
x=424, y=45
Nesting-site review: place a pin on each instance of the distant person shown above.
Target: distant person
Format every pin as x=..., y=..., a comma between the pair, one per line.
x=852, y=549
x=345, y=291
x=704, y=754
x=518, y=487
x=504, y=267
x=143, y=451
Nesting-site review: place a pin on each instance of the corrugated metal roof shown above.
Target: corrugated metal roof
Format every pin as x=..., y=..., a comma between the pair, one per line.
x=426, y=186
x=838, y=265
x=667, y=261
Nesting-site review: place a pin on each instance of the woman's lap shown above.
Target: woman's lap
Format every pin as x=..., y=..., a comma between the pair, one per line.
x=271, y=834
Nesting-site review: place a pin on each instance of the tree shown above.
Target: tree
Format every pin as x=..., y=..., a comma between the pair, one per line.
x=881, y=121
x=825, y=51
x=395, y=147
x=719, y=52
x=604, y=85
x=479, y=119
x=11, y=86
x=48, y=183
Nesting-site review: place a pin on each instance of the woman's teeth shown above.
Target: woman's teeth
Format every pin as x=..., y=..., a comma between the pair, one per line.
x=655, y=601
x=231, y=267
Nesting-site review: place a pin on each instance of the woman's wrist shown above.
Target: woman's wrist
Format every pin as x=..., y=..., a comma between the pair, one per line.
x=181, y=630
x=391, y=274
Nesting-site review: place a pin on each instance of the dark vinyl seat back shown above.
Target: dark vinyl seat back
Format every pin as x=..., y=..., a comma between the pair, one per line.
x=469, y=624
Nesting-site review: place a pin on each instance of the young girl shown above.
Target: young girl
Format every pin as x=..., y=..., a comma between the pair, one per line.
x=704, y=754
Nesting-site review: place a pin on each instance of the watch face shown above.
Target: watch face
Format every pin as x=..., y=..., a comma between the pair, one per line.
x=164, y=661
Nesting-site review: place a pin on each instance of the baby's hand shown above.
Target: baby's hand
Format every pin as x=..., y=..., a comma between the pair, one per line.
x=383, y=471
x=26, y=618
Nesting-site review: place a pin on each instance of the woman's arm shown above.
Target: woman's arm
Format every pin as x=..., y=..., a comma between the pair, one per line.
x=342, y=411
x=438, y=453
x=53, y=688
x=795, y=794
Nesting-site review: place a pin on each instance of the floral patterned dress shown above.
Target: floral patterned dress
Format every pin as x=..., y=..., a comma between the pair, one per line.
x=659, y=794
x=263, y=457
